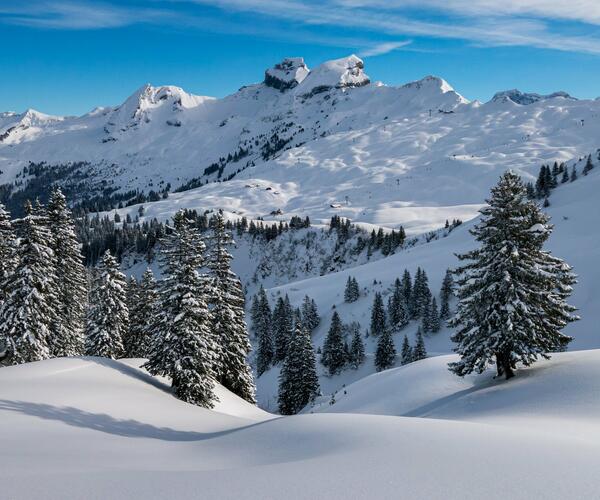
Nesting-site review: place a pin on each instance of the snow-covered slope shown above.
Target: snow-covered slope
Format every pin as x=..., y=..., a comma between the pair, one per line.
x=94, y=429
x=327, y=141
x=574, y=210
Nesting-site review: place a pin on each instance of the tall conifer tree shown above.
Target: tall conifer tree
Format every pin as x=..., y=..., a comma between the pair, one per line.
x=512, y=294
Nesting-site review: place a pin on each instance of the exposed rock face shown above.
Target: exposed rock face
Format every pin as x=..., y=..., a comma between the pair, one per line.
x=526, y=98
x=287, y=74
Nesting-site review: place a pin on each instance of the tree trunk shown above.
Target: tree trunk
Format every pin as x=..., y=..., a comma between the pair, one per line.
x=503, y=366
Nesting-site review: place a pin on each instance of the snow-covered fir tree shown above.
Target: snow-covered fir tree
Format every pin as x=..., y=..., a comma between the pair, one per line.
x=407, y=288
x=351, y=292
x=310, y=314
x=378, y=316
x=108, y=314
x=27, y=313
x=283, y=327
x=420, y=297
x=357, y=350
x=8, y=249
x=434, y=317
x=68, y=332
x=298, y=379
x=512, y=294
x=419, y=351
x=185, y=347
x=262, y=325
x=446, y=292
x=385, y=355
x=588, y=166
x=228, y=315
x=333, y=355
x=406, y=354
x=397, y=307
x=143, y=313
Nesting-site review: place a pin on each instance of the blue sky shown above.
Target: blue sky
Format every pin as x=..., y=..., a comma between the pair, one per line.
x=67, y=56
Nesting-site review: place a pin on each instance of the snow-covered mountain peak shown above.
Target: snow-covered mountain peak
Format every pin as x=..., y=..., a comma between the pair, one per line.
x=346, y=72
x=526, y=98
x=287, y=74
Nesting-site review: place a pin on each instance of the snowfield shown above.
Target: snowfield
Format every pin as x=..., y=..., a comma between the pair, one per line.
x=95, y=429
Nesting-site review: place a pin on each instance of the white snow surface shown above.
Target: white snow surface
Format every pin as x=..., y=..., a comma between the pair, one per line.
x=412, y=155
x=92, y=428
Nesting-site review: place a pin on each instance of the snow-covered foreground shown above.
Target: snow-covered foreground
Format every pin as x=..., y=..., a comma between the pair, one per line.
x=95, y=428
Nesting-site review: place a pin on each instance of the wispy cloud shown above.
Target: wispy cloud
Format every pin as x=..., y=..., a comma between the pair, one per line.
x=374, y=24
x=383, y=48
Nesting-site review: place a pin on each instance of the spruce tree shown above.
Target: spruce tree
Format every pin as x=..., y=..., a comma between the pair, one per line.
x=310, y=314
x=574, y=174
x=378, y=316
x=108, y=316
x=298, y=379
x=434, y=317
x=512, y=294
x=357, y=350
x=397, y=308
x=333, y=356
x=27, y=313
x=8, y=250
x=68, y=333
x=385, y=355
x=351, y=292
x=263, y=328
x=143, y=313
x=565, y=176
x=446, y=293
x=228, y=315
x=283, y=327
x=184, y=346
x=407, y=352
x=419, y=352
x=588, y=165
x=407, y=288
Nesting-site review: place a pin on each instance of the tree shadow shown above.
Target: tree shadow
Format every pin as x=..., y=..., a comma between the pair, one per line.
x=105, y=423
x=130, y=371
x=426, y=409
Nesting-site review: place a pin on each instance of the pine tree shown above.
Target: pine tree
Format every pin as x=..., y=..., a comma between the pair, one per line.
x=378, y=317
x=68, y=332
x=310, y=314
x=357, y=350
x=27, y=313
x=184, y=347
x=333, y=356
x=407, y=352
x=108, y=316
x=266, y=348
x=419, y=351
x=351, y=292
x=565, y=176
x=385, y=355
x=446, y=293
x=228, y=315
x=283, y=327
x=298, y=379
x=512, y=293
x=143, y=313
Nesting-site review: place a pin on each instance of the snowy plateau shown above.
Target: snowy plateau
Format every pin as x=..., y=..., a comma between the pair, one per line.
x=319, y=142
